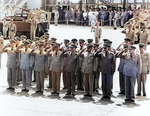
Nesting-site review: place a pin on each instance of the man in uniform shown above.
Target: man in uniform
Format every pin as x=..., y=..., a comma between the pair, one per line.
x=39, y=67
x=56, y=16
x=97, y=68
x=12, y=29
x=98, y=33
x=33, y=28
x=71, y=58
x=141, y=79
x=11, y=64
x=115, y=20
x=79, y=74
x=65, y=49
x=130, y=34
x=107, y=67
x=25, y=63
x=56, y=68
x=43, y=16
x=132, y=68
x=49, y=18
x=88, y=70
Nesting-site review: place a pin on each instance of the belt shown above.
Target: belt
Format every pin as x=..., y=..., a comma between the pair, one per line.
x=12, y=30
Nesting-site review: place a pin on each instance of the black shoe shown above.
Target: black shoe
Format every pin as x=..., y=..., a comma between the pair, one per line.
x=132, y=100
x=138, y=94
x=68, y=94
x=122, y=93
x=57, y=93
x=34, y=80
x=96, y=91
x=90, y=95
x=91, y=30
x=27, y=90
x=10, y=88
x=23, y=90
x=73, y=94
x=38, y=91
x=115, y=28
x=41, y=91
x=86, y=95
x=108, y=97
x=53, y=93
x=104, y=97
x=65, y=88
x=49, y=86
x=126, y=100
x=80, y=89
x=144, y=94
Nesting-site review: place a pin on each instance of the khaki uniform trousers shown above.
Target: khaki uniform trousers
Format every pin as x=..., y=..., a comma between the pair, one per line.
x=88, y=83
x=11, y=34
x=70, y=82
x=141, y=79
x=97, y=40
x=56, y=20
x=32, y=32
x=56, y=81
x=5, y=32
x=40, y=80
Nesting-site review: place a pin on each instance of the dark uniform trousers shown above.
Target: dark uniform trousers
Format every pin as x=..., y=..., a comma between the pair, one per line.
x=80, y=79
x=122, y=82
x=70, y=82
x=40, y=80
x=11, y=76
x=50, y=78
x=96, y=80
x=129, y=86
x=56, y=81
x=106, y=84
x=88, y=82
x=65, y=79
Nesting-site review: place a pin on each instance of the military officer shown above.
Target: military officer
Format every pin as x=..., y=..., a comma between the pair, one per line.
x=12, y=29
x=1, y=47
x=130, y=34
x=71, y=58
x=107, y=67
x=49, y=18
x=43, y=16
x=98, y=33
x=5, y=28
x=56, y=68
x=97, y=68
x=88, y=70
x=143, y=35
x=18, y=71
x=141, y=79
x=79, y=74
x=33, y=28
x=65, y=49
x=11, y=64
x=132, y=68
x=115, y=20
x=90, y=41
x=26, y=63
x=39, y=67
x=56, y=16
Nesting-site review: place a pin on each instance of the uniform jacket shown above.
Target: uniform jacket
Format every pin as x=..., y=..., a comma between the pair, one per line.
x=98, y=32
x=88, y=63
x=145, y=57
x=107, y=63
x=11, y=59
x=55, y=62
x=39, y=63
x=71, y=61
x=132, y=66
